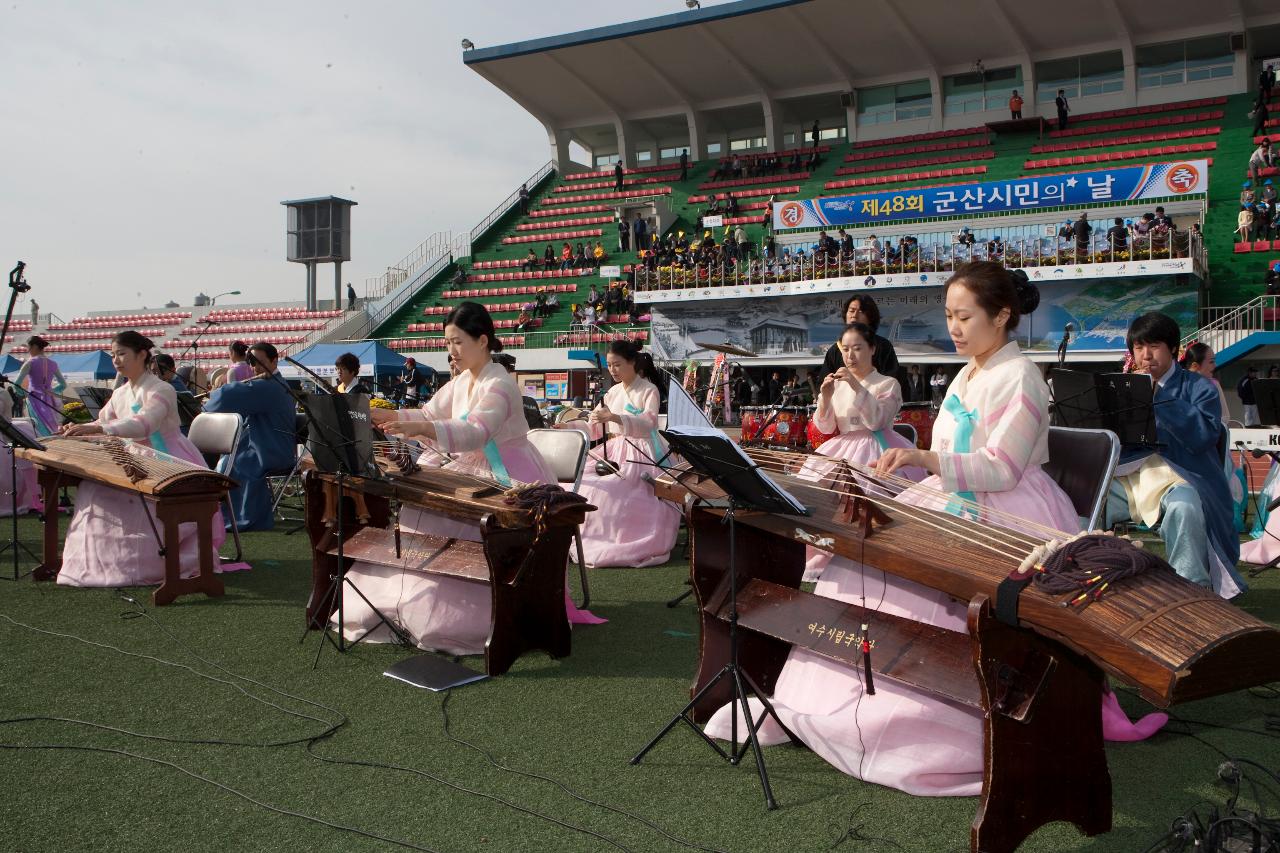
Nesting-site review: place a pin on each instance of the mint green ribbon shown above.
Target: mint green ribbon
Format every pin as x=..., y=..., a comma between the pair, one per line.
x=495, y=460
x=965, y=422
x=156, y=439
x=878, y=435
x=653, y=433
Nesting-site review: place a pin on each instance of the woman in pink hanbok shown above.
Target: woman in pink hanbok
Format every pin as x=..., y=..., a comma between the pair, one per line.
x=631, y=526
x=478, y=420
x=858, y=404
x=111, y=541
x=989, y=441
x=43, y=380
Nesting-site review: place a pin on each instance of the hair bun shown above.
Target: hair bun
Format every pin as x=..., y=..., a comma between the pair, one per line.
x=1028, y=293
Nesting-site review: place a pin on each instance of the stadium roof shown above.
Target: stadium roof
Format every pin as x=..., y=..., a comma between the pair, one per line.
x=744, y=52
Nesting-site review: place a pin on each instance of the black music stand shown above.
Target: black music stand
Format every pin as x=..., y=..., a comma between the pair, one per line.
x=340, y=440
x=712, y=454
x=1267, y=394
x=93, y=398
x=1123, y=403
x=14, y=438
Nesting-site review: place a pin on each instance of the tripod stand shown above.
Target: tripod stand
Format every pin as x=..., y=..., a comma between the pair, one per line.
x=712, y=454
x=14, y=438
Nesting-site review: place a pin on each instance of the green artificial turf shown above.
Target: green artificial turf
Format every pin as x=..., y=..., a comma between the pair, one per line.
x=576, y=721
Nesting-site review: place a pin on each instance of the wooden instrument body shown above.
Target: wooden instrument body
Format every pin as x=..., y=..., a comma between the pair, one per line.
x=525, y=570
x=1038, y=686
x=177, y=493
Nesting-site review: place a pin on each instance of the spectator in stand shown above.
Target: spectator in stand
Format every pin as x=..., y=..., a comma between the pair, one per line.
x=1118, y=236
x=995, y=248
x=815, y=135
x=1268, y=191
x=589, y=314
x=1015, y=106
x=915, y=385
x=1065, y=232
x=351, y=297
x=735, y=168
x=1260, y=115
x=524, y=199
x=846, y=245
x=552, y=303
x=1244, y=390
x=593, y=295
x=540, y=303
x=530, y=262
x=1266, y=82
x=1263, y=214
x=1272, y=280
x=875, y=250
x=965, y=237
x=768, y=216
x=524, y=320
x=549, y=257
x=730, y=205
x=1246, y=194
x=35, y=311
x=773, y=389
x=459, y=276
x=1063, y=108
x=580, y=257
x=740, y=237
x=640, y=229
x=617, y=176
x=624, y=234
x=684, y=165
x=1244, y=223
x=1262, y=158
x=576, y=316
x=598, y=254
x=1081, y=231
x=794, y=164
x=1162, y=219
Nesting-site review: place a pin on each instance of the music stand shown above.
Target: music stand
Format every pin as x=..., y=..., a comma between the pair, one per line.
x=340, y=440
x=14, y=438
x=712, y=454
x=1266, y=392
x=188, y=408
x=93, y=398
x=1123, y=403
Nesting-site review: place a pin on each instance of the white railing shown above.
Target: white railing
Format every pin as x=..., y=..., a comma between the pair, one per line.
x=511, y=201
x=576, y=337
x=669, y=273
x=1236, y=324
x=398, y=273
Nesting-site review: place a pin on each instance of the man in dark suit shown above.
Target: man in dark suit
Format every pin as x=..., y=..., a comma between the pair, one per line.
x=684, y=164
x=1063, y=108
x=617, y=177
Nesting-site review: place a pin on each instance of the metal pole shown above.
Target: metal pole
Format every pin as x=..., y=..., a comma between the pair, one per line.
x=337, y=285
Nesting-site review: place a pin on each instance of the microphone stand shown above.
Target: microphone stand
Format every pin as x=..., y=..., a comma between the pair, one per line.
x=1062, y=347
x=194, y=346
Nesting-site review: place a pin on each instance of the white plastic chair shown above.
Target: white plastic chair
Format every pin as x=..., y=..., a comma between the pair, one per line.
x=219, y=432
x=565, y=452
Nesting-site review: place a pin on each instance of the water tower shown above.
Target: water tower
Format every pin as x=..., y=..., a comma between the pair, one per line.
x=319, y=232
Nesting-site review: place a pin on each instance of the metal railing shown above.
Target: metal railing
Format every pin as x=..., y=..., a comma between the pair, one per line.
x=429, y=250
x=579, y=336
x=510, y=202
x=867, y=261
x=1235, y=324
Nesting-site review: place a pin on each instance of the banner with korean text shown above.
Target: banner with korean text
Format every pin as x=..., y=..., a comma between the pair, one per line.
x=1125, y=183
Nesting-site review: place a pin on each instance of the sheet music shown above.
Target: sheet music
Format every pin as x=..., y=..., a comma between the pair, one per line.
x=746, y=461
x=682, y=411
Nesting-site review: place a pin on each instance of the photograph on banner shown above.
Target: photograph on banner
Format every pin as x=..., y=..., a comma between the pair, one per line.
x=1100, y=311
x=1077, y=189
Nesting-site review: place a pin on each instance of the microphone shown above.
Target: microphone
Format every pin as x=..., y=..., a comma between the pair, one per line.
x=210, y=322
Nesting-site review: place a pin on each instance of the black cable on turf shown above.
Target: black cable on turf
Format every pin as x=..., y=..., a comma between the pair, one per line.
x=227, y=788
x=309, y=742
x=444, y=711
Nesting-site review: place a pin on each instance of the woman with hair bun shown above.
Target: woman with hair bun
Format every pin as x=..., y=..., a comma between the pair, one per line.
x=631, y=526
x=989, y=442
x=43, y=379
x=111, y=541
x=478, y=419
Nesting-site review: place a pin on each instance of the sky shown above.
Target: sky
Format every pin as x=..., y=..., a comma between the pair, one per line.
x=146, y=146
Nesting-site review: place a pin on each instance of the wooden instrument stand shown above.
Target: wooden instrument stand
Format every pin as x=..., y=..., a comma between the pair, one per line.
x=172, y=510
x=526, y=581
x=1043, y=747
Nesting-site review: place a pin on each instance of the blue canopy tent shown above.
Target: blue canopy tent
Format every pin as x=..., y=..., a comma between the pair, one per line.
x=377, y=361
x=11, y=366
x=85, y=366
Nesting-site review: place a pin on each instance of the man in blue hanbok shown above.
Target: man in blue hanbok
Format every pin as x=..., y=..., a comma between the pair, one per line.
x=1181, y=489
x=268, y=442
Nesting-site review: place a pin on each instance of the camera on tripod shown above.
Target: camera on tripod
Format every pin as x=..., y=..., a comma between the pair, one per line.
x=16, y=281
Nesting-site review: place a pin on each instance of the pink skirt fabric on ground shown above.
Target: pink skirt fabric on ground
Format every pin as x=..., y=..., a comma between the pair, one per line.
x=631, y=526
x=438, y=613
x=900, y=737
x=110, y=541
